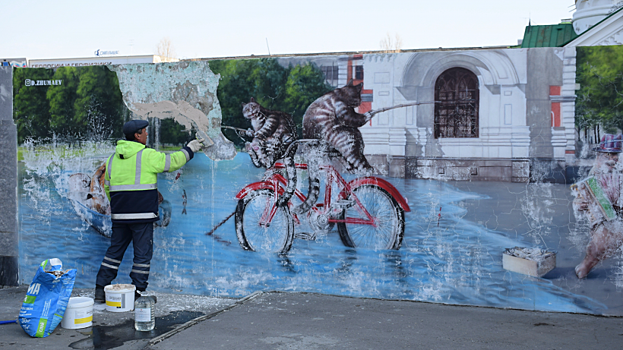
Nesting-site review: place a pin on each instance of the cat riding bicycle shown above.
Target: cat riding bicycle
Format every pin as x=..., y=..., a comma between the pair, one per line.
x=368, y=211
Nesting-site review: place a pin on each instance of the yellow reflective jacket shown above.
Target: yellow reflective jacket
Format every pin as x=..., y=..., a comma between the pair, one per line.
x=131, y=180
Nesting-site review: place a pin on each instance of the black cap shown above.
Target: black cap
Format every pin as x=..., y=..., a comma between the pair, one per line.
x=134, y=126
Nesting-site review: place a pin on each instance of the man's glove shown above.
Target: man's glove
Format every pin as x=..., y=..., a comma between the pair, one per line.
x=195, y=145
x=368, y=115
x=250, y=132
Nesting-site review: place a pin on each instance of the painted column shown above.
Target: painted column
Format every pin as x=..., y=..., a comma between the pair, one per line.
x=8, y=182
x=568, y=102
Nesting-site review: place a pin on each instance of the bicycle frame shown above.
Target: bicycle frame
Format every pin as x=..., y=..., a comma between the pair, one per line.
x=276, y=182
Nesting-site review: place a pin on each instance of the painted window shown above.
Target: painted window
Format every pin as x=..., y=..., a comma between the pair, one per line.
x=456, y=104
x=330, y=74
x=358, y=72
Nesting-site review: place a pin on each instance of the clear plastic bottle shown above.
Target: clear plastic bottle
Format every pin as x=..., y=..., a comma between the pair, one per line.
x=144, y=314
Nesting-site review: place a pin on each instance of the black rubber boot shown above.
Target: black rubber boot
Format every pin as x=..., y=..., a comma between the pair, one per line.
x=100, y=295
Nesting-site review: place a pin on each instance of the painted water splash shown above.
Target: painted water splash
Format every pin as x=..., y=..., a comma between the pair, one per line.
x=49, y=224
x=47, y=166
x=448, y=259
x=537, y=208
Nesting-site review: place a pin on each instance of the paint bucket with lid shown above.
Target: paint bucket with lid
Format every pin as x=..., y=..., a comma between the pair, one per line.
x=119, y=297
x=79, y=313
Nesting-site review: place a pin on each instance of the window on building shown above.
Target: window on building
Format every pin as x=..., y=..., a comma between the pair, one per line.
x=358, y=72
x=330, y=74
x=456, y=104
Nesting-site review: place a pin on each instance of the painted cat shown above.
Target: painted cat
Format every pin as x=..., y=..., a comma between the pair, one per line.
x=273, y=132
x=332, y=118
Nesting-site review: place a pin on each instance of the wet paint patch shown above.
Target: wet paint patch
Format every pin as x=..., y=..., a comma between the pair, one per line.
x=108, y=337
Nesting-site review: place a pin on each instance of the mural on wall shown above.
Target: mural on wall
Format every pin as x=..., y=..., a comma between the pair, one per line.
x=273, y=132
x=328, y=174
x=597, y=197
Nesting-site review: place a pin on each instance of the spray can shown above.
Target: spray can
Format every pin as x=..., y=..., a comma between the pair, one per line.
x=144, y=319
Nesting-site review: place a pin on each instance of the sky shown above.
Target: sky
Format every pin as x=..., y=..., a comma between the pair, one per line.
x=226, y=28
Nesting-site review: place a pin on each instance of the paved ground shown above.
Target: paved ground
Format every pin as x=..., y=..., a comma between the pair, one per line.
x=312, y=321
x=110, y=329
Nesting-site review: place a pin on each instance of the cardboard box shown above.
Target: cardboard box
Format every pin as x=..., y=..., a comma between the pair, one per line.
x=529, y=261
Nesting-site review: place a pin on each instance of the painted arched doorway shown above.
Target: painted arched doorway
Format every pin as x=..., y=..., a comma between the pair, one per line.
x=456, y=104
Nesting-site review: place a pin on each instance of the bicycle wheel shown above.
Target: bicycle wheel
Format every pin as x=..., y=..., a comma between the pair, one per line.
x=276, y=237
x=386, y=213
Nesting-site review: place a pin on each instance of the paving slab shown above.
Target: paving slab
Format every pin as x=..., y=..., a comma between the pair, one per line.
x=313, y=321
x=278, y=320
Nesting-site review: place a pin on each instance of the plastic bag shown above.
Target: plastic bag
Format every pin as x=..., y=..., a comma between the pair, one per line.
x=46, y=300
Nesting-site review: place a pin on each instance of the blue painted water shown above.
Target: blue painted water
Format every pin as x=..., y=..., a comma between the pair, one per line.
x=450, y=260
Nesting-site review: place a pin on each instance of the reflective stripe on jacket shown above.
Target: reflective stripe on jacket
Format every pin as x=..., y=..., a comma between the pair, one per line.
x=131, y=180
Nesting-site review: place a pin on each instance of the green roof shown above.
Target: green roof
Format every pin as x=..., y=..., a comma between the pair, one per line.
x=554, y=35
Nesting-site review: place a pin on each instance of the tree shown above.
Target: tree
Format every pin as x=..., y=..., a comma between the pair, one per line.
x=82, y=103
x=62, y=98
x=600, y=98
x=172, y=132
x=268, y=78
x=304, y=85
x=234, y=89
x=98, y=108
x=273, y=86
x=165, y=49
x=389, y=44
x=31, y=110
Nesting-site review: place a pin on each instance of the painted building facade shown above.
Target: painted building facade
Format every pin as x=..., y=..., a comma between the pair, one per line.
x=511, y=116
x=522, y=109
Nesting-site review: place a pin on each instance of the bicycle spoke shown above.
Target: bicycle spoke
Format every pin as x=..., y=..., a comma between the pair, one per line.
x=253, y=230
x=388, y=221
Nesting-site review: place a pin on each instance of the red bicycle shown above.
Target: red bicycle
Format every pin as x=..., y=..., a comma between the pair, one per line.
x=369, y=211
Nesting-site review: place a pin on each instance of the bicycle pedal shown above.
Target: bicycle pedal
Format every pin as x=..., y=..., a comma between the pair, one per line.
x=343, y=203
x=306, y=236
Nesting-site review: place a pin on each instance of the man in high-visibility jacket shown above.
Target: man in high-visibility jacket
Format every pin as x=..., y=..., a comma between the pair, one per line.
x=131, y=186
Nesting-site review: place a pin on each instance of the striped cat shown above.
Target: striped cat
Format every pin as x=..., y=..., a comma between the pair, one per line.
x=315, y=152
x=332, y=118
x=273, y=132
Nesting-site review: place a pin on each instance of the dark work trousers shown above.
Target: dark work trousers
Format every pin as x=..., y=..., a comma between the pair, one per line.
x=142, y=236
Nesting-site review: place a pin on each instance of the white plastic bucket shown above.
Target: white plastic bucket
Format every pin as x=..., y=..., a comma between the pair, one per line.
x=79, y=313
x=119, y=297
